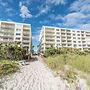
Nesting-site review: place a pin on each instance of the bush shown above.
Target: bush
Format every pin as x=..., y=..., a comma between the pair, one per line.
x=8, y=67
x=12, y=52
x=80, y=62
x=70, y=76
x=50, y=52
x=64, y=51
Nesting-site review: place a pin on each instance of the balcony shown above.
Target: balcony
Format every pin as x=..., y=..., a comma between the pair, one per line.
x=7, y=40
x=69, y=38
x=26, y=34
x=63, y=42
x=49, y=36
x=63, y=31
x=7, y=36
x=69, y=42
x=68, y=31
x=25, y=41
x=82, y=37
x=68, y=35
x=7, y=29
x=50, y=42
x=7, y=25
x=64, y=45
x=63, y=34
x=49, y=45
x=63, y=38
x=50, y=33
x=26, y=27
x=25, y=37
x=69, y=45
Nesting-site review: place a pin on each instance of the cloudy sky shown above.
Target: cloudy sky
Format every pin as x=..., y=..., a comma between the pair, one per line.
x=59, y=13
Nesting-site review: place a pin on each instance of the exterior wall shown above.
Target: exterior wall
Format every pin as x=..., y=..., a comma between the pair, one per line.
x=16, y=32
x=62, y=37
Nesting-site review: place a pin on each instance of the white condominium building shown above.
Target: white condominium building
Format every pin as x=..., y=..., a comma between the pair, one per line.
x=62, y=37
x=11, y=32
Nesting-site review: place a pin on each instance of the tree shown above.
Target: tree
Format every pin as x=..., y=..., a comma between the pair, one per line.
x=12, y=52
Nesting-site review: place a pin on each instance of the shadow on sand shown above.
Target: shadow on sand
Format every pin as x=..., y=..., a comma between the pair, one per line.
x=32, y=59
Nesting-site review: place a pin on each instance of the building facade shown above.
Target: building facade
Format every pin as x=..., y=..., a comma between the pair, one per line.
x=62, y=37
x=12, y=32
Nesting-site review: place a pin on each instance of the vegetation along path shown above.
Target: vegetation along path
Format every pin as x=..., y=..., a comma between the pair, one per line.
x=35, y=76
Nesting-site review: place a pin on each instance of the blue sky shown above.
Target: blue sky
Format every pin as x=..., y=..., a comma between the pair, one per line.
x=59, y=13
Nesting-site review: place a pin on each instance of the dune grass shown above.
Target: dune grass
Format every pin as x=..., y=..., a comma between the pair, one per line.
x=80, y=62
x=8, y=67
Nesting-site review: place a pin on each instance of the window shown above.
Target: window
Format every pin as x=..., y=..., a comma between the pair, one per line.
x=75, y=45
x=57, y=29
x=73, y=31
x=18, y=34
x=84, y=45
x=82, y=34
x=78, y=31
x=69, y=44
x=79, y=45
x=26, y=43
x=82, y=31
x=58, y=40
x=79, y=41
x=68, y=34
x=17, y=38
x=58, y=33
x=18, y=29
x=58, y=36
x=78, y=38
x=74, y=41
x=78, y=34
x=74, y=37
x=68, y=40
x=63, y=40
x=62, y=29
x=83, y=41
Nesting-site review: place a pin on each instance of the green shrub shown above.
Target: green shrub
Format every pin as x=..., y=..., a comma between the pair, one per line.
x=12, y=52
x=70, y=76
x=80, y=62
x=50, y=52
x=7, y=67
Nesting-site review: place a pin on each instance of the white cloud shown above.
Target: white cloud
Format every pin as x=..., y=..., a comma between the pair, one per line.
x=36, y=34
x=10, y=20
x=80, y=17
x=43, y=10
x=55, y=17
x=35, y=37
x=20, y=3
x=81, y=6
x=85, y=26
x=44, y=22
x=46, y=7
x=24, y=12
x=73, y=19
x=3, y=3
x=6, y=8
x=25, y=2
x=56, y=2
x=9, y=9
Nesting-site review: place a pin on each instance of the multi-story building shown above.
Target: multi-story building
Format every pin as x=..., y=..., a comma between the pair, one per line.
x=11, y=32
x=62, y=37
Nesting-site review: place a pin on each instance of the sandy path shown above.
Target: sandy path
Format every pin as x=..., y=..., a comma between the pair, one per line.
x=35, y=76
